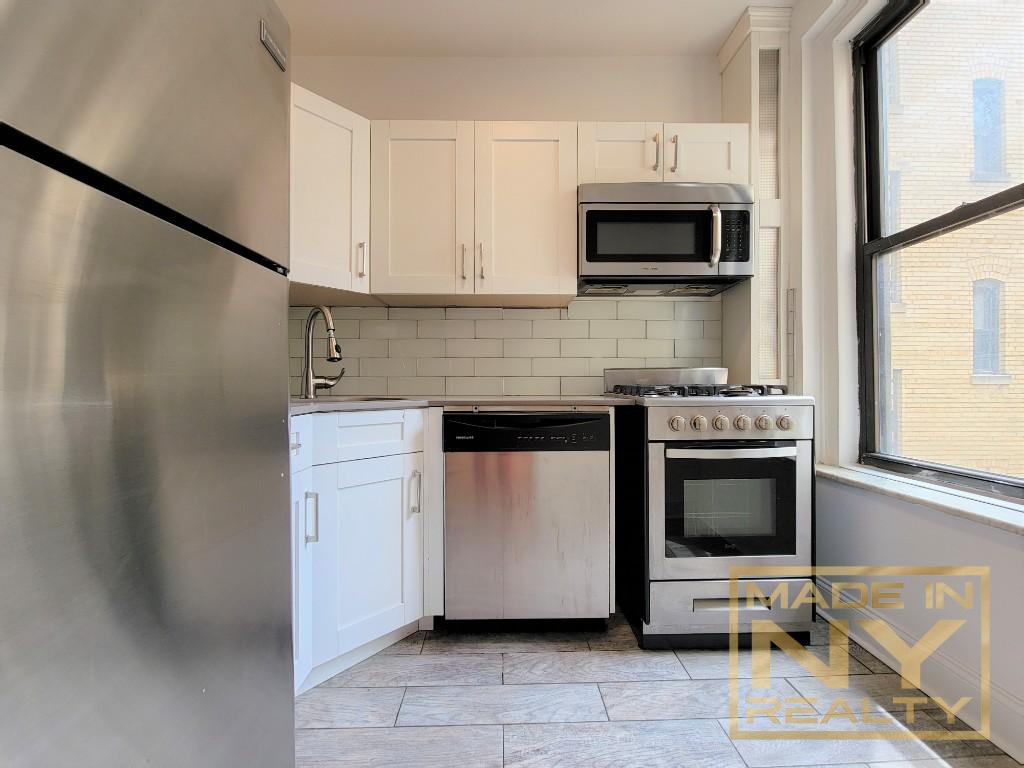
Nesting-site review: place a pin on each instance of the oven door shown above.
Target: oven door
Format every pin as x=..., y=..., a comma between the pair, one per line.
x=664, y=239
x=718, y=505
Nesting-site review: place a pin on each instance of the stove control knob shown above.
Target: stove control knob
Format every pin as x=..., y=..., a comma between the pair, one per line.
x=785, y=422
x=742, y=423
x=763, y=422
x=676, y=423
x=699, y=423
x=720, y=423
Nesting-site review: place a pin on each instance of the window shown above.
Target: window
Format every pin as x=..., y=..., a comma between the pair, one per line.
x=933, y=318
x=988, y=129
x=986, y=325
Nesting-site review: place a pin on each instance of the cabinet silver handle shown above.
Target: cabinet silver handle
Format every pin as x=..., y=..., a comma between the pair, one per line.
x=362, y=259
x=657, y=151
x=716, y=236
x=296, y=446
x=675, y=154
x=481, y=261
x=463, y=261
x=418, y=506
x=316, y=516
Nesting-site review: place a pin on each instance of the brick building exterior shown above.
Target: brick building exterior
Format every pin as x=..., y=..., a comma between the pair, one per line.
x=952, y=374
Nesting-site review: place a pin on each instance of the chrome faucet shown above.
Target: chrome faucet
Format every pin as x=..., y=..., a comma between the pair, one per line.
x=310, y=381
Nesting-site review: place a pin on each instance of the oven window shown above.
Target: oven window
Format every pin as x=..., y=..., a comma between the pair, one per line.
x=648, y=235
x=730, y=507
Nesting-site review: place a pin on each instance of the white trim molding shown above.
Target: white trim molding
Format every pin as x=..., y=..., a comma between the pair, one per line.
x=754, y=19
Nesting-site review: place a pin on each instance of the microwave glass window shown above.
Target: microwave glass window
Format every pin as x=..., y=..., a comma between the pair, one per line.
x=643, y=238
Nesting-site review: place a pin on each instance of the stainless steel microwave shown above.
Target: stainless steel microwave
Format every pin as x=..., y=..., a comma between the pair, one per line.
x=664, y=238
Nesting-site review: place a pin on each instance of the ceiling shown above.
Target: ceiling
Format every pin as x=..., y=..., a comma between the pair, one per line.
x=512, y=27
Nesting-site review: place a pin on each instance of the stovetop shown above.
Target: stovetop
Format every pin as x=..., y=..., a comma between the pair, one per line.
x=675, y=392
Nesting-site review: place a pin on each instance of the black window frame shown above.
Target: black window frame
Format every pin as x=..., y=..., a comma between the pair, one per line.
x=870, y=242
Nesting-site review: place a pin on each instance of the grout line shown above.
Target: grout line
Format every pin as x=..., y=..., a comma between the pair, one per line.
x=604, y=704
x=399, y=711
x=731, y=742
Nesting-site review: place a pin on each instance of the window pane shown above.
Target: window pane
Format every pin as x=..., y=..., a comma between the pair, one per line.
x=950, y=348
x=951, y=93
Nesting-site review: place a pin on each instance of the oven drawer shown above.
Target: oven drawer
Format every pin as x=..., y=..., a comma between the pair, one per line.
x=691, y=607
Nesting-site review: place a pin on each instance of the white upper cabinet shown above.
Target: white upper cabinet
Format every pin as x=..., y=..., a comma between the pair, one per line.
x=620, y=152
x=422, y=207
x=525, y=208
x=707, y=152
x=702, y=152
x=330, y=194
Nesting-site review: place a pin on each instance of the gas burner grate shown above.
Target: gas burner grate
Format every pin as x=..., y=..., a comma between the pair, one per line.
x=700, y=390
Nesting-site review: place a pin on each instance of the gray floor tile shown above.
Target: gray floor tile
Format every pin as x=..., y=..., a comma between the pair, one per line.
x=388, y=671
x=478, y=746
x=504, y=642
x=781, y=749
x=347, y=707
x=591, y=667
x=868, y=659
x=880, y=690
x=486, y=704
x=683, y=699
x=715, y=664
x=665, y=744
x=407, y=645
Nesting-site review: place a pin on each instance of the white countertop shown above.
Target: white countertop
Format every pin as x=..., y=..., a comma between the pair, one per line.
x=326, y=404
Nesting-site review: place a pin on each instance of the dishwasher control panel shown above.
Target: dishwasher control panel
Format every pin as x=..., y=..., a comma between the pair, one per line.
x=547, y=431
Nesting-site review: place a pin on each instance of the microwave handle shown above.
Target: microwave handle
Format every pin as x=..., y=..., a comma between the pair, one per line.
x=716, y=236
x=734, y=453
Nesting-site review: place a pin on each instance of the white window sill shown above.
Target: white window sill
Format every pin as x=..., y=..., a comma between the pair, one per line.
x=1006, y=515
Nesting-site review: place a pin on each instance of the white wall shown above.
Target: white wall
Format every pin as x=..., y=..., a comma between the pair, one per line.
x=861, y=527
x=669, y=88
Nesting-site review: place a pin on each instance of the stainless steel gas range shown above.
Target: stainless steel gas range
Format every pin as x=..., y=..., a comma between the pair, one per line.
x=727, y=481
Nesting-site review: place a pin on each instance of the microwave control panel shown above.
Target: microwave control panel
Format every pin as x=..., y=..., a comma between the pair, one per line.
x=735, y=236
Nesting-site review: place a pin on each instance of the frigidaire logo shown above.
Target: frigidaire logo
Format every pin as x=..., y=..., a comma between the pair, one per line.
x=464, y=437
x=876, y=606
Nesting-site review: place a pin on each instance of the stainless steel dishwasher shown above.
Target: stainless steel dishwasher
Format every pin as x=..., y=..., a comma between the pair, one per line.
x=527, y=514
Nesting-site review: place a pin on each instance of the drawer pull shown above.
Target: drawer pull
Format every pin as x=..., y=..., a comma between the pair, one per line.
x=722, y=604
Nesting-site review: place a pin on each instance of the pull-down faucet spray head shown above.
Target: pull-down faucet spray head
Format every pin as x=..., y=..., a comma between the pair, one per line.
x=310, y=381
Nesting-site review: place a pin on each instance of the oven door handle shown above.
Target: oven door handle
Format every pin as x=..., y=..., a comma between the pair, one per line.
x=735, y=453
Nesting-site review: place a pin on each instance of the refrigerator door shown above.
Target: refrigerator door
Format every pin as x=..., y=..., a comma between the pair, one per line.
x=179, y=100
x=144, y=537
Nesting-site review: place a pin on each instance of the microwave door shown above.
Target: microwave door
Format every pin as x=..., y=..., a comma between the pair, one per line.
x=653, y=240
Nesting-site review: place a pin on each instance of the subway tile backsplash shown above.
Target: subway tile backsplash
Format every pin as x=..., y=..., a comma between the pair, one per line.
x=490, y=351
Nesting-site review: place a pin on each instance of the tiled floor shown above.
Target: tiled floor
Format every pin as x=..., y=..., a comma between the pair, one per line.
x=595, y=700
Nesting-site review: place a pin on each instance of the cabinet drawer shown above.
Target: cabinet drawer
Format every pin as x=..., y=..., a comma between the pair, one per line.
x=300, y=442
x=366, y=434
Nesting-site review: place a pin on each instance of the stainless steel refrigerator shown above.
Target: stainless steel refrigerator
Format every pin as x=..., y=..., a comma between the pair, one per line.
x=144, y=540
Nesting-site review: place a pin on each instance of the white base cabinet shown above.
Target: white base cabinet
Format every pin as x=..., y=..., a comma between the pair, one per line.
x=357, y=538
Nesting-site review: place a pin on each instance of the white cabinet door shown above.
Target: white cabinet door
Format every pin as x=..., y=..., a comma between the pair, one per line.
x=412, y=539
x=330, y=193
x=302, y=508
x=366, y=574
x=707, y=152
x=526, y=208
x=324, y=530
x=422, y=206
x=620, y=152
